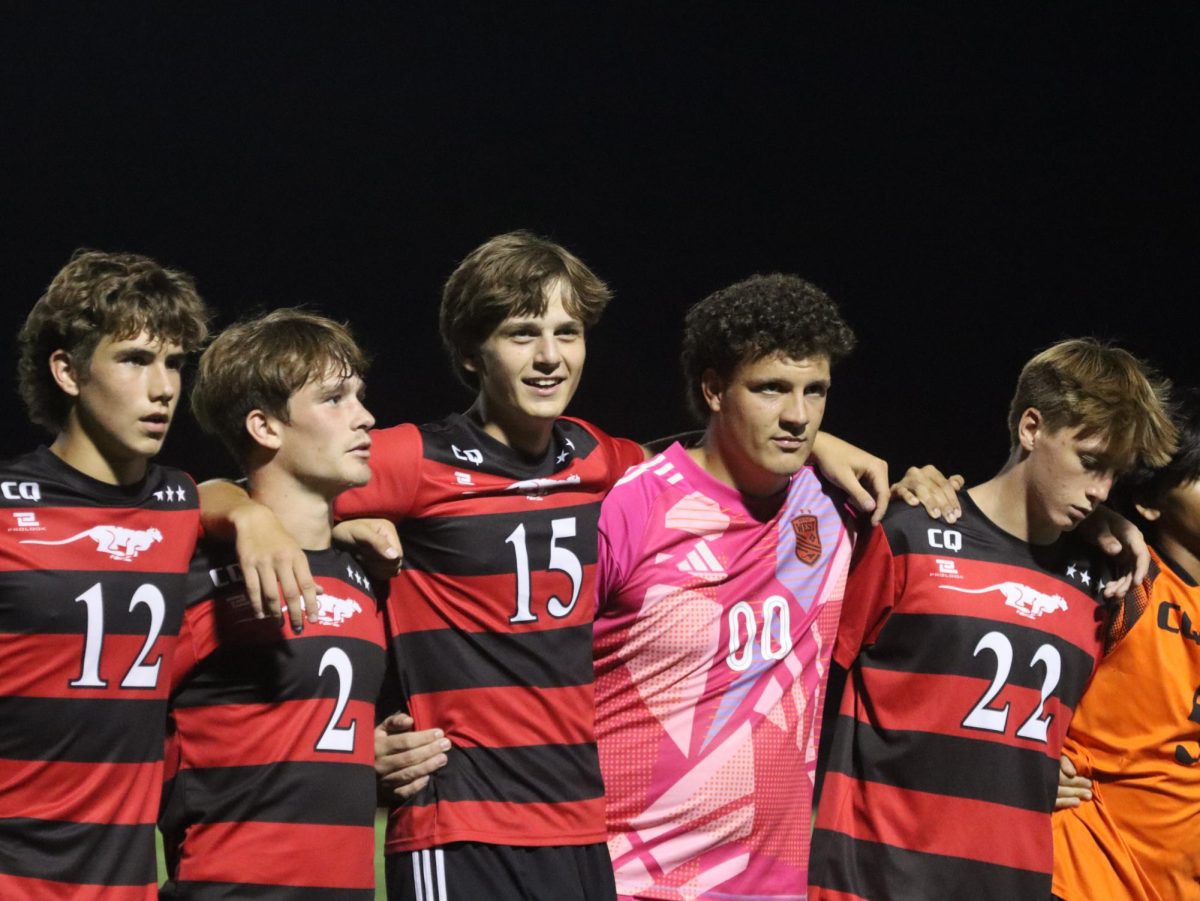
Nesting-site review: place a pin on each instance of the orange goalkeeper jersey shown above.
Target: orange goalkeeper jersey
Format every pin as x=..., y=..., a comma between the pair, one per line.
x=1136, y=734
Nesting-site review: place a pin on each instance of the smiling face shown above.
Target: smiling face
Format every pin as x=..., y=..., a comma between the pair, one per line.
x=123, y=401
x=1070, y=474
x=325, y=442
x=528, y=369
x=763, y=421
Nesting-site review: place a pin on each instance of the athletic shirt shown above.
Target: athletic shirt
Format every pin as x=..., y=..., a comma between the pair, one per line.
x=270, y=783
x=491, y=625
x=712, y=647
x=1136, y=734
x=975, y=648
x=91, y=597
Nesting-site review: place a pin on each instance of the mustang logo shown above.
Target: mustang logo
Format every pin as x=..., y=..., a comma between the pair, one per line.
x=1028, y=602
x=333, y=611
x=118, y=542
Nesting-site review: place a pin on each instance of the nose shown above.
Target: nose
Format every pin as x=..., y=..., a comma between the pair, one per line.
x=547, y=354
x=163, y=383
x=1098, y=490
x=364, y=420
x=794, y=413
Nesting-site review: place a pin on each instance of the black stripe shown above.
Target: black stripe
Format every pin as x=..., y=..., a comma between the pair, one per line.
x=77, y=852
x=291, y=792
x=882, y=872
x=944, y=765
x=277, y=671
x=41, y=602
x=230, y=891
x=438, y=440
x=530, y=774
x=449, y=659
x=485, y=544
x=82, y=730
x=943, y=644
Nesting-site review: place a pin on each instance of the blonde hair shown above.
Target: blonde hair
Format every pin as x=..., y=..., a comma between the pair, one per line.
x=1103, y=389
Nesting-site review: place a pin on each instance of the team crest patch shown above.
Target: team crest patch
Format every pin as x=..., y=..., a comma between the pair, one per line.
x=808, y=539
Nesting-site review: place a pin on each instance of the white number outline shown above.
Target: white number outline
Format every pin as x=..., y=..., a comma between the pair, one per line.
x=335, y=738
x=140, y=674
x=774, y=609
x=989, y=719
x=562, y=559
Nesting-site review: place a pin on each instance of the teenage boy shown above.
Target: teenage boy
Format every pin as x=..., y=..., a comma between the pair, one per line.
x=270, y=742
x=721, y=573
x=93, y=556
x=1136, y=732
x=969, y=646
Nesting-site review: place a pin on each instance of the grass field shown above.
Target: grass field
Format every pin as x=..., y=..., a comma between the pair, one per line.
x=380, y=823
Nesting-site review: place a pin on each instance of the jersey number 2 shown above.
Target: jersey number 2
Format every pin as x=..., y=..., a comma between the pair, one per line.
x=1036, y=727
x=335, y=737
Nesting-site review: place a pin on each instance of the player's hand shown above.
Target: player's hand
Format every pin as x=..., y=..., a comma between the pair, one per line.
x=863, y=476
x=1118, y=537
x=1073, y=789
x=375, y=542
x=274, y=567
x=932, y=490
x=404, y=759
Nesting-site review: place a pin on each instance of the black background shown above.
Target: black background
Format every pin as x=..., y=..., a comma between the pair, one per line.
x=970, y=181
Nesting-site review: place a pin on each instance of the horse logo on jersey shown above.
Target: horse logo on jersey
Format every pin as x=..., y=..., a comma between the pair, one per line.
x=333, y=611
x=808, y=538
x=118, y=542
x=1028, y=602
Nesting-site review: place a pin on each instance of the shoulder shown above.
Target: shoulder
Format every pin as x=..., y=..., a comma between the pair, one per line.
x=620, y=453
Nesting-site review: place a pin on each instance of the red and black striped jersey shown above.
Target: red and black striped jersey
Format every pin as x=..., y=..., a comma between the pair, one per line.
x=967, y=651
x=270, y=779
x=491, y=625
x=91, y=598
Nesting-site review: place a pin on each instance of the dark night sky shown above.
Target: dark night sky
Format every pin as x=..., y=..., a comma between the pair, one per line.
x=970, y=181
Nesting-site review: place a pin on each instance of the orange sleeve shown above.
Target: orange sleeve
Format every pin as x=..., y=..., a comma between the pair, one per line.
x=871, y=592
x=395, y=466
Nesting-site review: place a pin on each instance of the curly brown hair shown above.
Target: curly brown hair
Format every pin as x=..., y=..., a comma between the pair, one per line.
x=508, y=276
x=756, y=318
x=102, y=295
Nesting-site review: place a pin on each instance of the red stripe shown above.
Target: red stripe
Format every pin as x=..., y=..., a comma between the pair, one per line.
x=936, y=824
x=939, y=704
x=42, y=666
x=297, y=854
x=505, y=716
x=569, y=823
x=112, y=793
x=422, y=601
x=171, y=554
x=816, y=893
x=26, y=889
x=252, y=734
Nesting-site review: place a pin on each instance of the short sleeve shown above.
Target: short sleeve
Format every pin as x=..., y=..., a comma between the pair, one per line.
x=871, y=592
x=396, y=455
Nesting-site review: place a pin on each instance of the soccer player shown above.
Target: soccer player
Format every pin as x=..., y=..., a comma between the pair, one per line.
x=270, y=744
x=721, y=573
x=969, y=646
x=93, y=556
x=1136, y=732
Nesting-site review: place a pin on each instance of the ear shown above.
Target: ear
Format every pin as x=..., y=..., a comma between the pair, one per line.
x=712, y=388
x=1030, y=426
x=64, y=373
x=1150, y=514
x=265, y=429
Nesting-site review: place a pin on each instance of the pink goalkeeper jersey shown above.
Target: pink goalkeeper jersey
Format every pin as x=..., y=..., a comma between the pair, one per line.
x=712, y=645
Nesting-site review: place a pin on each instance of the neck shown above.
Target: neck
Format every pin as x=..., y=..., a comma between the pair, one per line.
x=82, y=454
x=1181, y=555
x=306, y=514
x=522, y=433
x=1006, y=500
x=728, y=468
